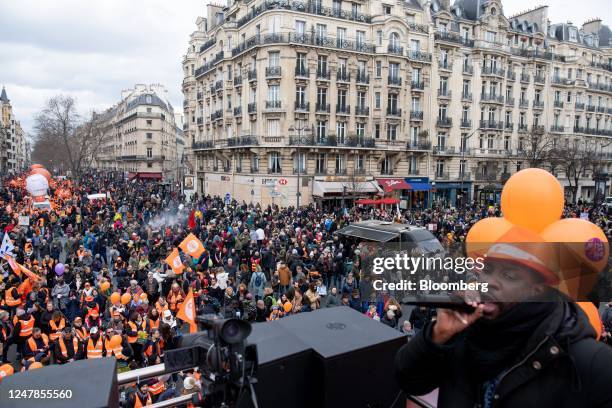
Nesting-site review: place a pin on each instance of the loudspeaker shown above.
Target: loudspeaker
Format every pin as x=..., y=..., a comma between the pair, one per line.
x=350, y=363
x=85, y=383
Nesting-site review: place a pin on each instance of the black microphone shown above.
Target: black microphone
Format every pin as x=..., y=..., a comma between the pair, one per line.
x=452, y=302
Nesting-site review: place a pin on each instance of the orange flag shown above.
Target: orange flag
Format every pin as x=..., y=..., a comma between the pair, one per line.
x=192, y=246
x=29, y=273
x=187, y=312
x=175, y=262
x=14, y=265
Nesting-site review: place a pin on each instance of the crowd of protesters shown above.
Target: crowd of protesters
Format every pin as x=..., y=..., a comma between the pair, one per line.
x=260, y=263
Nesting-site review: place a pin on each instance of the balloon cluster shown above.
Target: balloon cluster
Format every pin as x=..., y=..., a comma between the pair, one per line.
x=532, y=203
x=37, y=183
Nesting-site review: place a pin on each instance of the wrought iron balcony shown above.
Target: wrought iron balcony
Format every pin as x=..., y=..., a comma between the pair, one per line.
x=237, y=80
x=493, y=98
x=444, y=93
x=537, y=128
x=273, y=72
x=444, y=122
x=419, y=56
x=362, y=78
x=362, y=110
x=238, y=111
x=360, y=141
x=394, y=80
x=302, y=106
x=252, y=75
x=323, y=74
x=559, y=104
x=200, y=95
x=466, y=123
x=273, y=105
x=343, y=109
x=442, y=176
x=524, y=103
x=322, y=108
x=420, y=145
x=509, y=101
x=539, y=79
x=557, y=129
x=468, y=69
x=417, y=85
x=246, y=140
x=444, y=150
x=343, y=75
x=508, y=126
x=302, y=72
x=525, y=78
x=466, y=96
x=218, y=114
x=207, y=144
x=590, y=108
x=491, y=124
x=416, y=115
x=394, y=112
x=200, y=120
x=579, y=106
x=219, y=85
x=445, y=65
x=252, y=107
x=493, y=71
x=510, y=76
x=538, y=104
x=453, y=38
x=522, y=127
x=395, y=49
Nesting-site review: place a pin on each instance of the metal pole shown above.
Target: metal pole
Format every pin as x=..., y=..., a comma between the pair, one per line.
x=174, y=402
x=141, y=373
x=299, y=163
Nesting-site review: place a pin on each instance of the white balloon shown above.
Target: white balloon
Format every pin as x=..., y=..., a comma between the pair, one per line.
x=181, y=206
x=37, y=185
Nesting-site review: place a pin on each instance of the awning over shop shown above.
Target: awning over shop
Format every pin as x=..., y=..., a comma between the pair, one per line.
x=393, y=184
x=152, y=176
x=320, y=188
x=369, y=234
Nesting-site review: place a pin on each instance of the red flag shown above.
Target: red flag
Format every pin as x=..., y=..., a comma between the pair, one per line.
x=187, y=312
x=191, y=220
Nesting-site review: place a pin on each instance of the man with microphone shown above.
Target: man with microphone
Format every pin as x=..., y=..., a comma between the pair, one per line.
x=524, y=344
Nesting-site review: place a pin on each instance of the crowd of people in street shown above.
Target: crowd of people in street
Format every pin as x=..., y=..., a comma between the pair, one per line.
x=115, y=295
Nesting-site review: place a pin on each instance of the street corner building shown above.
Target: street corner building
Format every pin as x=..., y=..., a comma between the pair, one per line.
x=142, y=137
x=14, y=144
x=322, y=101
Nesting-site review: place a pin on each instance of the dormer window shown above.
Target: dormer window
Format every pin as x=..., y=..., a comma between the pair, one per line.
x=573, y=34
x=493, y=11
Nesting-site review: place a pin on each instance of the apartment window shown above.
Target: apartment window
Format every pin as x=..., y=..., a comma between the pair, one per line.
x=361, y=67
x=377, y=130
x=320, y=163
x=340, y=35
x=360, y=129
x=322, y=63
x=301, y=62
x=360, y=38
x=386, y=9
x=490, y=36
x=439, y=168
x=538, y=95
x=377, y=100
x=385, y=166
x=150, y=165
x=481, y=142
x=321, y=131
x=392, y=102
x=341, y=132
x=523, y=94
x=391, y=132
x=378, y=69
x=394, y=70
x=379, y=37
x=342, y=98
x=149, y=152
x=274, y=93
x=255, y=162
x=443, y=84
x=340, y=163
x=442, y=112
x=465, y=114
x=360, y=162
x=508, y=117
x=149, y=110
x=506, y=143
x=361, y=99
x=522, y=121
x=336, y=7
x=416, y=75
x=273, y=128
x=300, y=27
x=536, y=120
x=343, y=65
x=274, y=162
x=415, y=45
x=519, y=166
x=322, y=97
x=508, y=92
x=490, y=141
x=463, y=142
x=274, y=59
x=576, y=121
x=321, y=31
x=414, y=135
x=466, y=87
x=299, y=162
x=149, y=136
x=441, y=141
x=569, y=96
x=416, y=104
x=300, y=95
x=462, y=167
x=149, y=122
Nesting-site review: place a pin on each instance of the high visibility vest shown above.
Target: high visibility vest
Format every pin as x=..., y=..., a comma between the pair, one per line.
x=10, y=300
x=115, y=351
x=161, y=309
x=34, y=346
x=138, y=402
x=94, y=350
x=152, y=324
x=175, y=300
x=56, y=329
x=81, y=333
x=134, y=327
x=26, y=327
x=157, y=388
x=75, y=344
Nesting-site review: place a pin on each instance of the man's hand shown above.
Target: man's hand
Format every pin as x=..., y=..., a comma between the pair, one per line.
x=450, y=322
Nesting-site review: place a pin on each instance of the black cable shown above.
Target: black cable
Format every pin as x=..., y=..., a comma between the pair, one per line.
x=395, y=400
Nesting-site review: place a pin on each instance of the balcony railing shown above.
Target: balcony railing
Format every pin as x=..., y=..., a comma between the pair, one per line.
x=362, y=78
x=522, y=127
x=444, y=150
x=208, y=44
x=445, y=65
x=394, y=80
x=485, y=97
x=523, y=103
x=362, y=110
x=322, y=108
x=237, y=80
x=208, y=144
x=246, y=140
x=444, y=93
x=442, y=176
x=466, y=123
x=538, y=104
x=218, y=85
x=539, y=79
x=343, y=109
x=343, y=75
x=273, y=105
x=394, y=112
x=419, y=56
x=323, y=74
x=417, y=85
x=557, y=129
x=509, y=101
x=200, y=96
x=252, y=75
x=601, y=109
x=579, y=106
x=395, y=49
x=302, y=72
x=252, y=107
x=454, y=38
x=537, y=128
x=590, y=108
x=238, y=111
x=491, y=124
x=493, y=71
x=525, y=78
x=200, y=120
x=416, y=115
x=508, y=126
x=273, y=72
x=466, y=96
x=218, y=114
x=468, y=69
x=420, y=145
x=302, y=106
x=444, y=122
x=511, y=76
x=559, y=104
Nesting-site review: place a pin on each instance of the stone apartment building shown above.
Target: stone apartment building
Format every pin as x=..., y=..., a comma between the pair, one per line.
x=336, y=100
x=140, y=137
x=14, y=145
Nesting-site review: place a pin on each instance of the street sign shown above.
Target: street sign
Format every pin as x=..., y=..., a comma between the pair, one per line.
x=282, y=181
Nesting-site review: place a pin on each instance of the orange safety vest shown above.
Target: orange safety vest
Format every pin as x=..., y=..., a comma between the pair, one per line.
x=81, y=333
x=27, y=327
x=157, y=388
x=75, y=344
x=94, y=350
x=134, y=327
x=138, y=403
x=161, y=309
x=10, y=300
x=34, y=346
x=175, y=300
x=117, y=351
x=56, y=329
x=152, y=324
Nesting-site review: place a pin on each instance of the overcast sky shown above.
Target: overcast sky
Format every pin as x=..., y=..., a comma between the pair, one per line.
x=94, y=49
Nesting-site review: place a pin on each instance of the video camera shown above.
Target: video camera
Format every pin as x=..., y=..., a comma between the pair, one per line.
x=227, y=364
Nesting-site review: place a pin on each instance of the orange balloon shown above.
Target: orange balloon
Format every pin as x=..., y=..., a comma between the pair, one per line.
x=287, y=307
x=115, y=341
x=104, y=286
x=532, y=198
x=35, y=365
x=143, y=296
x=593, y=314
x=43, y=172
x=125, y=298
x=6, y=370
x=115, y=297
x=36, y=166
x=484, y=233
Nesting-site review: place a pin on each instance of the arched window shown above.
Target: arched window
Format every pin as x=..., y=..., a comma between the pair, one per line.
x=394, y=40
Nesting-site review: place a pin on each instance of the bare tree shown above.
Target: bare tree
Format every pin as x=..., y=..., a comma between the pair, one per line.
x=537, y=146
x=65, y=139
x=576, y=158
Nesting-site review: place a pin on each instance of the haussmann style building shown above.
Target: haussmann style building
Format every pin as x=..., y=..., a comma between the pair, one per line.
x=14, y=144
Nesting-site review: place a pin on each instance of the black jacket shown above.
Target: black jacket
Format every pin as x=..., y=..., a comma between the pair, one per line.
x=561, y=366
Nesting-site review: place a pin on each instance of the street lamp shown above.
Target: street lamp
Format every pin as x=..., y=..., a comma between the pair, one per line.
x=463, y=149
x=301, y=138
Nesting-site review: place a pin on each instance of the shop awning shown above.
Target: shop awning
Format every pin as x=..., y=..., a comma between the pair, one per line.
x=321, y=188
x=393, y=184
x=369, y=234
x=418, y=186
x=152, y=176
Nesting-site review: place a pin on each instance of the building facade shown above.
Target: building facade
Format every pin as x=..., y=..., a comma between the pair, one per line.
x=14, y=144
x=140, y=137
x=335, y=100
